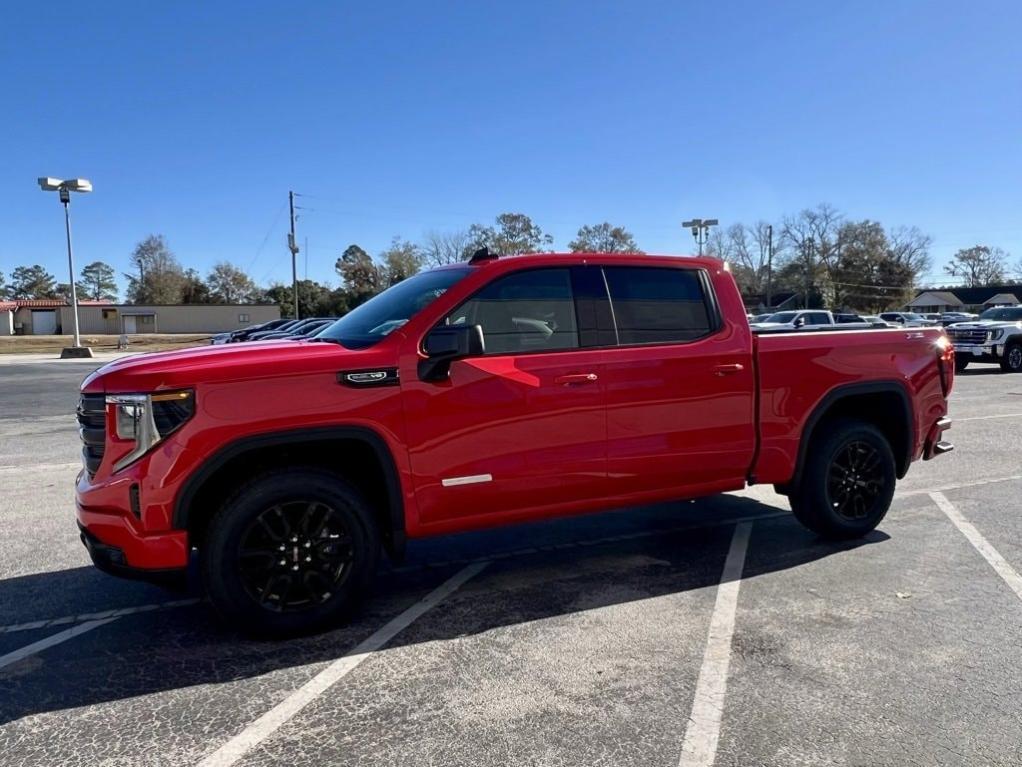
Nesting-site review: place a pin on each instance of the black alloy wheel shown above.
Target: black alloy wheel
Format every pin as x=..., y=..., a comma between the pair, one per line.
x=295, y=555
x=855, y=480
x=290, y=552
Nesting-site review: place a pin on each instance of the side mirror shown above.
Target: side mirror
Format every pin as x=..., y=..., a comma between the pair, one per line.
x=446, y=344
x=799, y=322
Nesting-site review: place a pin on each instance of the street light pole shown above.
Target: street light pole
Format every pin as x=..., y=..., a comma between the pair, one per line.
x=65, y=197
x=64, y=187
x=292, y=245
x=770, y=265
x=700, y=230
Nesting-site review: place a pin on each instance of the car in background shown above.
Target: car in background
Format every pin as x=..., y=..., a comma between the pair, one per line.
x=907, y=319
x=875, y=321
x=297, y=330
x=236, y=336
x=932, y=317
x=796, y=318
x=949, y=318
x=754, y=318
x=849, y=319
x=995, y=336
x=287, y=326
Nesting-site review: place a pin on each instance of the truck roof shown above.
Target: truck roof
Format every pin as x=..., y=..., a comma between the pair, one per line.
x=543, y=259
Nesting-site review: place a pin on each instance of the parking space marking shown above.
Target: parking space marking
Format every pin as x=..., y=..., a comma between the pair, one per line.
x=50, y=641
x=958, y=486
x=235, y=748
x=116, y=613
x=699, y=748
x=1008, y=573
x=988, y=417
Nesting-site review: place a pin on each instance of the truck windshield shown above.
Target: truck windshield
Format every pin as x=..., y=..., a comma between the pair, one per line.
x=371, y=322
x=1003, y=314
x=782, y=317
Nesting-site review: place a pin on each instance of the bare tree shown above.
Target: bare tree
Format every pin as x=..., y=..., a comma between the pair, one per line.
x=441, y=248
x=812, y=236
x=978, y=265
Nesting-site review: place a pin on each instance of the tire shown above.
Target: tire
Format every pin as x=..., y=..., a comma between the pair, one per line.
x=1011, y=362
x=323, y=532
x=961, y=363
x=823, y=503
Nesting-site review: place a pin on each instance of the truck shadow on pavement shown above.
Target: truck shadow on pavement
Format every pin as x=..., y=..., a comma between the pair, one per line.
x=540, y=571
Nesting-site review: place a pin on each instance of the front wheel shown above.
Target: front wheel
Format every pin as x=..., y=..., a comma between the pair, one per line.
x=847, y=483
x=289, y=553
x=1011, y=362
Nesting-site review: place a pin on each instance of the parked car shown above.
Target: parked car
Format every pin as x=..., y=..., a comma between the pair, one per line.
x=480, y=394
x=791, y=320
x=931, y=317
x=907, y=319
x=759, y=317
x=241, y=335
x=949, y=318
x=875, y=321
x=298, y=329
x=996, y=336
x=847, y=320
x=314, y=328
x=260, y=334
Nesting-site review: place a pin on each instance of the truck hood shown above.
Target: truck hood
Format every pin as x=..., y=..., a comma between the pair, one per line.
x=984, y=325
x=256, y=360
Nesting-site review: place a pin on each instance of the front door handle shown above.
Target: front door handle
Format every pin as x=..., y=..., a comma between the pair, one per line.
x=574, y=379
x=731, y=369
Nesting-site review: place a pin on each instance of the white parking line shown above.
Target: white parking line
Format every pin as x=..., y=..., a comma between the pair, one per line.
x=235, y=748
x=988, y=417
x=50, y=641
x=1008, y=574
x=699, y=748
x=116, y=613
x=958, y=486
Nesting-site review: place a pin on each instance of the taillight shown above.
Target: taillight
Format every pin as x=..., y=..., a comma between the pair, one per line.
x=946, y=364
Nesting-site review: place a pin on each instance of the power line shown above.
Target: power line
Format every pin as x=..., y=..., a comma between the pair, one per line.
x=266, y=239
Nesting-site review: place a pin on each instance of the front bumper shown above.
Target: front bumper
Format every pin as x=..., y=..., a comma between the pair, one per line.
x=112, y=560
x=977, y=351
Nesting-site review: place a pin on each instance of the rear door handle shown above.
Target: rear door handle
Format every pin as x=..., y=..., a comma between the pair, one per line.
x=731, y=369
x=573, y=379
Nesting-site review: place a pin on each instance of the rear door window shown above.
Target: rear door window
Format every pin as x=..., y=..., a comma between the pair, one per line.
x=658, y=306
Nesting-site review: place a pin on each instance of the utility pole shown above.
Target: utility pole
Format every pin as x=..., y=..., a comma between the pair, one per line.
x=700, y=229
x=292, y=245
x=770, y=265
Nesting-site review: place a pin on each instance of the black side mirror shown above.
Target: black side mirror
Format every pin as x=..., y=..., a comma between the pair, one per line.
x=446, y=344
x=799, y=322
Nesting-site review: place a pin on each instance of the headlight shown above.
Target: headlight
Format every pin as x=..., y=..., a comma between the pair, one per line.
x=145, y=419
x=995, y=334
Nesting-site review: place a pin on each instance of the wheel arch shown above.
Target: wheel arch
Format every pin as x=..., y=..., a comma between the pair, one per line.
x=885, y=404
x=371, y=467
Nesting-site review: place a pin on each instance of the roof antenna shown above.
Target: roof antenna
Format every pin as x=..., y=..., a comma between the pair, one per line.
x=483, y=254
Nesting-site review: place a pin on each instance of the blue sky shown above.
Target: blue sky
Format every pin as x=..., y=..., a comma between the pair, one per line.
x=194, y=119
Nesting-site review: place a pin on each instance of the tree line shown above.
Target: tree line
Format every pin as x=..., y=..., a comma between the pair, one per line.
x=818, y=254
x=828, y=260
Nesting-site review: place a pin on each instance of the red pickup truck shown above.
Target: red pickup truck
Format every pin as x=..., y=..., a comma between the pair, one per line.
x=484, y=393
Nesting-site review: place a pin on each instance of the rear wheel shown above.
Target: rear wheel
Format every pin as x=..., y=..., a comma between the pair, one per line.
x=1011, y=362
x=847, y=482
x=961, y=363
x=289, y=553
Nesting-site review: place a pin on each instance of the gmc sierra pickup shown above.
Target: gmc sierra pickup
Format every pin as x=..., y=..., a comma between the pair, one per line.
x=484, y=393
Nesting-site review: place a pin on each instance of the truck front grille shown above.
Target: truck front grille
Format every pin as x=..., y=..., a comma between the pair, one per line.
x=92, y=428
x=972, y=336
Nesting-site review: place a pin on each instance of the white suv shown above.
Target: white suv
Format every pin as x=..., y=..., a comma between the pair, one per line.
x=995, y=337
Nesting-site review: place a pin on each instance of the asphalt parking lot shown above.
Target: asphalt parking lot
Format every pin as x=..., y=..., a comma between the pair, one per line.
x=709, y=632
